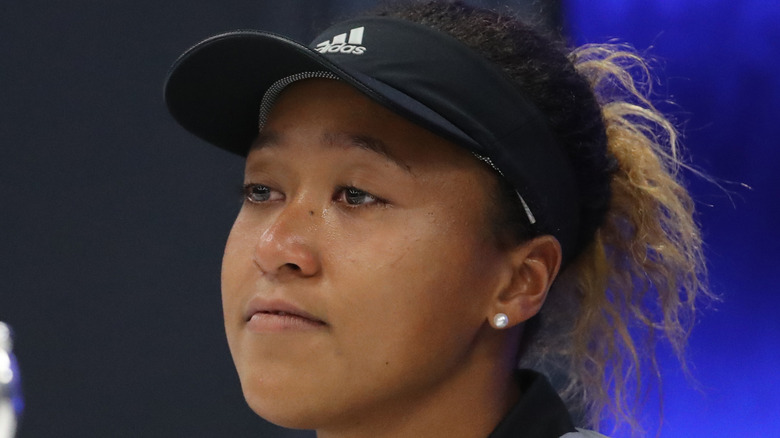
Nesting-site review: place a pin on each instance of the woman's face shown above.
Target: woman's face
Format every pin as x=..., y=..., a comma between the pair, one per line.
x=359, y=275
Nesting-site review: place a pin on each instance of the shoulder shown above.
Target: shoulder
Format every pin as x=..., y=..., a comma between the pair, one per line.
x=582, y=433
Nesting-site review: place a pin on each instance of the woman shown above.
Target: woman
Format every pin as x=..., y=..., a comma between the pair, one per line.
x=434, y=194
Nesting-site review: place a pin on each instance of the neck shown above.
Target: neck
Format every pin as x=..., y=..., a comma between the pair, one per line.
x=469, y=403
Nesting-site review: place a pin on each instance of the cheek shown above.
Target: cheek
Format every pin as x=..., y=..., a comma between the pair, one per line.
x=413, y=324
x=420, y=289
x=239, y=247
x=237, y=273
x=239, y=237
x=234, y=257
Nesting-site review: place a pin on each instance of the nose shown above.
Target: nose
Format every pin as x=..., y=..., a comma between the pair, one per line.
x=288, y=245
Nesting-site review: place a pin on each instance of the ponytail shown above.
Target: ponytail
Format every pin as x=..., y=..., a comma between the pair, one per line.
x=642, y=275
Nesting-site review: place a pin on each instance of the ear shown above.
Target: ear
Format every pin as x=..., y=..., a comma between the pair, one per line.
x=535, y=265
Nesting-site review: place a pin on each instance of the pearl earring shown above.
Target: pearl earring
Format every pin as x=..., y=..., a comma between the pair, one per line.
x=500, y=320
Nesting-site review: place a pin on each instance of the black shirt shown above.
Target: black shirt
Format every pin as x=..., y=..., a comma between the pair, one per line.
x=539, y=413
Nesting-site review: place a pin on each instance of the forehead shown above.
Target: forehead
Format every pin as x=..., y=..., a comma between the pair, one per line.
x=338, y=115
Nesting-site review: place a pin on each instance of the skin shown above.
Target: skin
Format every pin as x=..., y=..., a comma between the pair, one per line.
x=397, y=269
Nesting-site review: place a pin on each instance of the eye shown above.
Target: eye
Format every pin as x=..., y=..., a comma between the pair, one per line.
x=355, y=197
x=258, y=193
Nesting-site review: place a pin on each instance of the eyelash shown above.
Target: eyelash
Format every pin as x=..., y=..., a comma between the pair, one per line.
x=341, y=191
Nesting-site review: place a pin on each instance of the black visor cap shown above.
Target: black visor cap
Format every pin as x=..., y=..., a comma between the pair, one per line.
x=215, y=88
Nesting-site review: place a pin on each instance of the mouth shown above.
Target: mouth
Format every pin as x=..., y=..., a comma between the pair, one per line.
x=274, y=316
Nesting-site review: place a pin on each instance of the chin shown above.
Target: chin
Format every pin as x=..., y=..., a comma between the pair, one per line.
x=283, y=405
x=287, y=413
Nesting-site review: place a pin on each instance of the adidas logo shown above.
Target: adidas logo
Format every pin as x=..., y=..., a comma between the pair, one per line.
x=344, y=43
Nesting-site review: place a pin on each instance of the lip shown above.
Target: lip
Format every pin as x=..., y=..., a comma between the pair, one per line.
x=264, y=315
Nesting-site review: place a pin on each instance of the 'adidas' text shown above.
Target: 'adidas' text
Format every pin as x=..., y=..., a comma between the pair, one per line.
x=344, y=43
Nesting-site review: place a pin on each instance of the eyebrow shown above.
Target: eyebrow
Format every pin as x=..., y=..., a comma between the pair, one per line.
x=365, y=142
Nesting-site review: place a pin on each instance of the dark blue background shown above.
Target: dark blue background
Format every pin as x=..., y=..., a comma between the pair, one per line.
x=719, y=62
x=113, y=218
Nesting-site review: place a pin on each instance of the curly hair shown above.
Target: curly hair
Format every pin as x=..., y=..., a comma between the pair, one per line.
x=639, y=272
